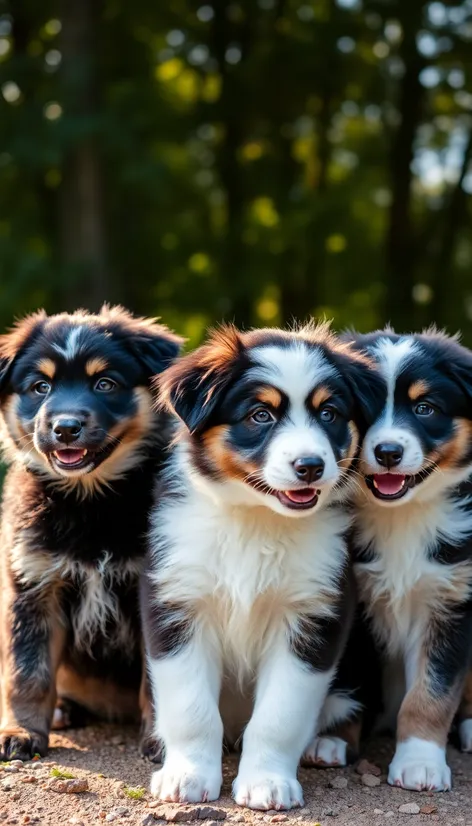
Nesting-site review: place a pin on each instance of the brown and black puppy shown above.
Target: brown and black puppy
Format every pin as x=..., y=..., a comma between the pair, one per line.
x=84, y=444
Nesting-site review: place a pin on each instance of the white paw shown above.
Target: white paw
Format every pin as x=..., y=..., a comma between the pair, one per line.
x=181, y=782
x=325, y=751
x=465, y=735
x=420, y=765
x=260, y=790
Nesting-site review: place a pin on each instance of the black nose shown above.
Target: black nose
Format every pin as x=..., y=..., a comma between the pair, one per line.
x=67, y=430
x=309, y=468
x=388, y=454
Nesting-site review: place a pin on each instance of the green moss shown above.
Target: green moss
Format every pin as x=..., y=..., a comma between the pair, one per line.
x=136, y=792
x=62, y=774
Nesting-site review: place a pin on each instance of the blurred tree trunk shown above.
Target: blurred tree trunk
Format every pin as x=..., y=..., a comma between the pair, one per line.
x=453, y=218
x=400, y=245
x=82, y=211
x=231, y=113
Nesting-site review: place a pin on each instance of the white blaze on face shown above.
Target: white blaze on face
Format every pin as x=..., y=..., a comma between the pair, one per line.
x=72, y=344
x=392, y=357
x=296, y=371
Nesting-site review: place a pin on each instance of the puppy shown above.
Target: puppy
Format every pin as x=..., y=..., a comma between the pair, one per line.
x=412, y=545
x=84, y=444
x=249, y=591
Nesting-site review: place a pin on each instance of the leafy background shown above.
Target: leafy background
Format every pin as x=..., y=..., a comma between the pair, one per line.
x=257, y=160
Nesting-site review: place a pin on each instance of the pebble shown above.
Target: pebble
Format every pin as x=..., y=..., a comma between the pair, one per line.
x=179, y=815
x=120, y=811
x=17, y=763
x=208, y=812
x=338, y=783
x=240, y=818
x=278, y=818
x=148, y=819
x=370, y=780
x=11, y=768
x=428, y=809
x=378, y=812
x=57, y=784
x=110, y=817
x=364, y=767
x=29, y=778
x=409, y=809
x=389, y=814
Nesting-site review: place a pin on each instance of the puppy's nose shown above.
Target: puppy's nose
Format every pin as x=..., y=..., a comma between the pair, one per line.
x=388, y=454
x=309, y=468
x=67, y=430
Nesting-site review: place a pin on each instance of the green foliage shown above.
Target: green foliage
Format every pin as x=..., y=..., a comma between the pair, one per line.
x=63, y=775
x=256, y=161
x=134, y=792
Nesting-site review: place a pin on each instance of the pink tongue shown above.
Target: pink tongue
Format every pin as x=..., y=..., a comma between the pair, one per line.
x=304, y=495
x=389, y=483
x=69, y=457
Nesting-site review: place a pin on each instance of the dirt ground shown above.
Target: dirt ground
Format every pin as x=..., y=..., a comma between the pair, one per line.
x=118, y=780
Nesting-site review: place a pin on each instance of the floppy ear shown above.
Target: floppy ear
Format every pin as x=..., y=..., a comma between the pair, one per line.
x=155, y=348
x=153, y=344
x=193, y=387
x=459, y=367
x=13, y=342
x=367, y=386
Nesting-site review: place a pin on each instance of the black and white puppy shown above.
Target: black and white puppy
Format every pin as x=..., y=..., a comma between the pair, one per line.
x=83, y=443
x=412, y=545
x=249, y=589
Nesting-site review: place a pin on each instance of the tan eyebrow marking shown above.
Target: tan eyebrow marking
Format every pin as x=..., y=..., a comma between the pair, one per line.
x=96, y=365
x=320, y=395
x=269, y=395
x=47, y=367
x=417, y=389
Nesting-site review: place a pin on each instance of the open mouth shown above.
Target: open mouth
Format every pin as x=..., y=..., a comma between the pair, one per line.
x=71, y=458
x=298, y=499
x=389, y=486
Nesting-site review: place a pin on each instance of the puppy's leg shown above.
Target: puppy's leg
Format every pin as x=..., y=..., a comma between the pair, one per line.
x=435, y=672
x=186, y=686
x=32, y=646
x=289, y=698
x=150, y=746
x=465, y=714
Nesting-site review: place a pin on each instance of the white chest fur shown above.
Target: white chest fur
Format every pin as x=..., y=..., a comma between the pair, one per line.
x=402, y=586
x=246, y=573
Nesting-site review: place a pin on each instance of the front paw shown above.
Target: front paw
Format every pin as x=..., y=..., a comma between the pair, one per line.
x=421, y=766
x=20, y=744
x=325, y=752
x=182, y=782
x=267, y=790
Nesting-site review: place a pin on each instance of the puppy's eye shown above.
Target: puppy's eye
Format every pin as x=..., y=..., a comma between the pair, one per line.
x=424, y=409
x=262, y=416
x=41, y=388
x=105, y=385
x=328, y=414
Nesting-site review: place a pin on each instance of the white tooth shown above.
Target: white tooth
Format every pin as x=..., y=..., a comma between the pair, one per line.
x=376, y=485
x=403, y=483
x=85, y=453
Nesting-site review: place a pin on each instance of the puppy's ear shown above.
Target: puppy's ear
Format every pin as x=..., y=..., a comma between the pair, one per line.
x=367, y=386
x=459, y=367
x=193, y=387
x=152, y=344
x=15, y=340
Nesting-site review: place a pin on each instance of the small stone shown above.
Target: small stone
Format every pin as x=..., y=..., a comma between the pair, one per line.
x=29, y=778
x=117, y=740
x=110, y=817
x=26, y=818
x=409, y=809
x=11, y=768
x=6, y=787
x=17, y=763
x=148, y=820
x=278, y=818
x=378, y=812
x=57, y=784
x=389, y=814
x=240, y=818
x=428, y=809
x=370, y=780
x=364, y=767
x=179, y=815
x=208, y=812
x=120, y=811
x=15, y=796
x=338, y=783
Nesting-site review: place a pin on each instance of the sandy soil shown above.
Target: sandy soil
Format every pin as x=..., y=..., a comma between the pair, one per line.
x=107, y=757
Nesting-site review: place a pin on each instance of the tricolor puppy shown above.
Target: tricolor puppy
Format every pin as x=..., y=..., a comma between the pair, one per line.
x=84, y=444
x=413, y=544
x=249, y=592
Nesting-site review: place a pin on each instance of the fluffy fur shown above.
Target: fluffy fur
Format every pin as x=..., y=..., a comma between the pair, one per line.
x=249, y=591
x=412, y=545
x=84, y=445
